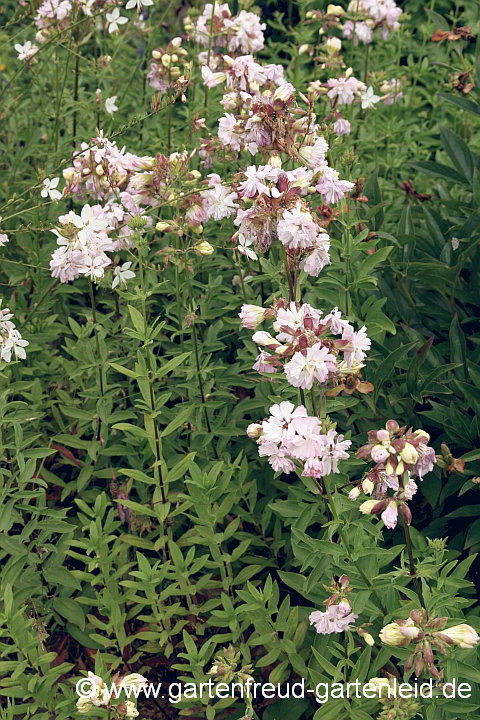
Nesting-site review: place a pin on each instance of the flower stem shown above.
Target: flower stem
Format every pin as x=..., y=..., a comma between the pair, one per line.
x=97, y=342
x=375, y=596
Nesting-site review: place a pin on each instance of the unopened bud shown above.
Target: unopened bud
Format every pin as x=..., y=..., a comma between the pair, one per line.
x=204, y=248
x=162, y=226
x=335, y=10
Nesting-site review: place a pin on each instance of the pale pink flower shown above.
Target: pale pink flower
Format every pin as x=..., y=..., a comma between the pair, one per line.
x=296, y=228
x=390, y=515
x=358, y=344
x=331, y=187
x=335, y=619
x=313, y=364
x=341, y=127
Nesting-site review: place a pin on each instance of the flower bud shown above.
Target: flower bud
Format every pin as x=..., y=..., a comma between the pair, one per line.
x=275, y=161
x=68, y=174
x=284, y=92
x=394, y=635
x=372, y=507
x=354, y=493
x=333, y=45
x=409, y=454
x=254, y=430
x=383, y=436
x=162, y=226
x=392, y=425
x=156, y=54
x=462, y=635
x=204, y=248
x=303, y=49
x=425, y=437
x=251, y=316
x=99, y=170
x=336, y=10
x=166, y=60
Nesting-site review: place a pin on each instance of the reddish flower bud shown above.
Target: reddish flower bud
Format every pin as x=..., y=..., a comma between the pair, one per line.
x=406, y=512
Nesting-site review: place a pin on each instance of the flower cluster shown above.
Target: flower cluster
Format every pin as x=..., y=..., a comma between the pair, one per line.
x=84, y=241
x=165, y=67
x=101, y=169
x=291, y=434
x=427, y=634
x=55, y=16
x=375, y=15
x=398, y=455
x=307, y=340
x=241, y=33
x=338, y=615
x=11, y=340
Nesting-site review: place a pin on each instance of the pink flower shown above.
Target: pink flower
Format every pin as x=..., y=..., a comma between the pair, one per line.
x=253, y=185
x=390, y=515
x=297, y=229
x=341, y=127
x=276, y=457
x=331, y=187
x=220, y=202
x=313, y=364
x=336, y=619
x=227, y=132
x=251, y=316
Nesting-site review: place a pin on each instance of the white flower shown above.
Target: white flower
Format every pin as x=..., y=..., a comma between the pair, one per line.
x=138, y=4
x=122, y=274
x=48, y=189
x=243, y=247
x=3, y=239
x=115, y=19
x=110, y=105
x=369, y=99
x=27, y=51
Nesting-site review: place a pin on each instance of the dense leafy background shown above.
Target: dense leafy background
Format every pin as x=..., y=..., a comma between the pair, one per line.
x=164, y=593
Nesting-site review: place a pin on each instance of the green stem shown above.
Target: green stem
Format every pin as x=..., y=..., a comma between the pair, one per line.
x=157, y=469
x=376, y=597
x=411, y=561
x=97, y=343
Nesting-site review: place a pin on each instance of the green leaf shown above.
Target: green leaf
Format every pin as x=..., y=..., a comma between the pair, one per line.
x=387, y=366
x=439, y=170
x=458, y=152
x=181, y=418
x=137, y=320
x=71, y=610
x=371, y=261
x=171, y=364
x=458, y=345
x=461, y=102
x=123, y=370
